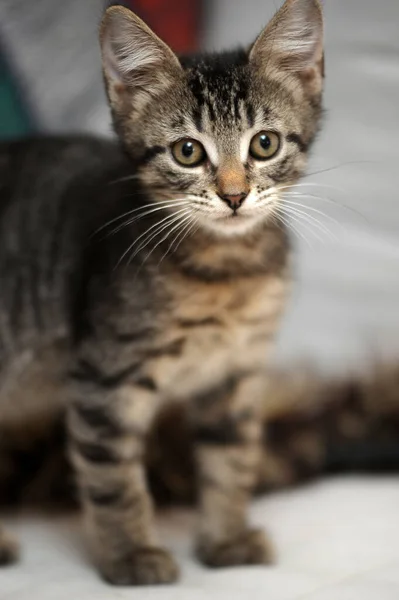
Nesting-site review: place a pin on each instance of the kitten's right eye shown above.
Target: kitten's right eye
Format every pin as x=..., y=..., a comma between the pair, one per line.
x=188, y=153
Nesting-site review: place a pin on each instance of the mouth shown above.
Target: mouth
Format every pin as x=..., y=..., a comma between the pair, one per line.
x=237, y=220
x=234, y=217
x=234, y=224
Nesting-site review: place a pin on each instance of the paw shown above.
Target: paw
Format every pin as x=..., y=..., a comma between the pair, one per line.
x=9, y=551
x=249, y=548
x=145, y=566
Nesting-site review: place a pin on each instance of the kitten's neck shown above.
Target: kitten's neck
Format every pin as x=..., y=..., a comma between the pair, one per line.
x=208, y=257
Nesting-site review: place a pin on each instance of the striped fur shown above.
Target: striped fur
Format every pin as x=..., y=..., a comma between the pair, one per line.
x=314, y=426
x=129, y=282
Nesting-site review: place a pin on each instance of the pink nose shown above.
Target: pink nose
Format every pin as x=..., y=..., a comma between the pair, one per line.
x=234, y=201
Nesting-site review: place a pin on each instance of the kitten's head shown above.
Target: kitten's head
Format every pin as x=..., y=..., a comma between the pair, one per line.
x=220, y=135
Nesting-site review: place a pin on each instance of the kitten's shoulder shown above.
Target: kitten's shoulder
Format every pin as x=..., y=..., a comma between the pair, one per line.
x=84, y=149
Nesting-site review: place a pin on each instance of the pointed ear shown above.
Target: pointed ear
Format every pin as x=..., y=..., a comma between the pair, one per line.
x=293, y=41
x=137, y=64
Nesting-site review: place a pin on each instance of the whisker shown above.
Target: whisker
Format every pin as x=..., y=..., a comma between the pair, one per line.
x=171, y=248
x=146, y=214
x=290, y=225
x=184, y=224
x=315, y=210
x=310, y=219
x=122, y=179
x=330, y=201
x=335, y=167
x=160, y=228
x=311, y=184
x=151, y=228
x=194, y=227
x=302, y=224
x=182, y=219
x=134, y=210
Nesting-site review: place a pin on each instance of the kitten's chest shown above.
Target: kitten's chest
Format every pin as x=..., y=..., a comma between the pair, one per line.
x=218, y=329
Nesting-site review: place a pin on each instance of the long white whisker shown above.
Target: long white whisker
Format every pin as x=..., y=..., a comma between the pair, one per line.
x=344, y=206
x=182, y=225
x=134, y=210
x=335, y=167
x=179, y=233
x=270, y=192
x=156, y=225
x=161, y=226
x=310, y=219
x=127, y=178
x=307, y=184
x=280, y=215
x=190, y=230
x=181, y=220
x=314, y=210
x=290, y=225
x=302, y=224
x=330, y=201
x=148, y=212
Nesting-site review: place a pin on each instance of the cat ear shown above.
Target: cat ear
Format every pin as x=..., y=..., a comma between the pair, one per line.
x=293, y=40
x=137, y=64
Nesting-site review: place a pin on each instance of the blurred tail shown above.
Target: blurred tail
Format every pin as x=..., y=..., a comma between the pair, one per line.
x=312, y=425
x=316, y=425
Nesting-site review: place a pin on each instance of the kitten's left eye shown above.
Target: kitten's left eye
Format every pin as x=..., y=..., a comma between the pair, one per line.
x=188, y=153
x=264, y=145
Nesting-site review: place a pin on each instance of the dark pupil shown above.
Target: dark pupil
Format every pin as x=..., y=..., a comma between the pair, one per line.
x=265, y=141
x=188, y=149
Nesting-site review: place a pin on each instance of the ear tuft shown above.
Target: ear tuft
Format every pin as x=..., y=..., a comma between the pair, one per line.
x=134, y=58
x=294, y=38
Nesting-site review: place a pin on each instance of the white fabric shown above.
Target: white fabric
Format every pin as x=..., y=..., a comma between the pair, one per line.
x=337, y=540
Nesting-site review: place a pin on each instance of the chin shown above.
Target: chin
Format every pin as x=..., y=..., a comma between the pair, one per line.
x=233, y=226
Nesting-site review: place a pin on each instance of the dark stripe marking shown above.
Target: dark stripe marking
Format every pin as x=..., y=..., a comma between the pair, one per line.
x=295, y=138
x=281, y=171
x=88, y=373
x=207, y=481
x=133, y=336
x=173, y=349
x=188, y=323
x=150, y=154
x=116, y=379
x=178, y=122
x=96, y=453
x=250, y=115
x=266, y=112
x=197, y=118
x=99, y=418
x=213, y=395
x=224, y=432
x=105, y=498
x=85, y=372
x=147, y=382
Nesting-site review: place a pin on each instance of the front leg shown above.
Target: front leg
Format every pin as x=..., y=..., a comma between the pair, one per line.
x=108, y=423
x=227, y=430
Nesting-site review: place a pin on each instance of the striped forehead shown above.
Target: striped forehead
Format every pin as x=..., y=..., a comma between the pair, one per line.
x=219, y=85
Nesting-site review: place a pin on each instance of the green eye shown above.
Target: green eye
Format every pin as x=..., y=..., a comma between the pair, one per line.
x=188, y=153
x=264, y=145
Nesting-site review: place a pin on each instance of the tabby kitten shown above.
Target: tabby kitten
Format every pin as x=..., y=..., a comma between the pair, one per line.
x=158, y=273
